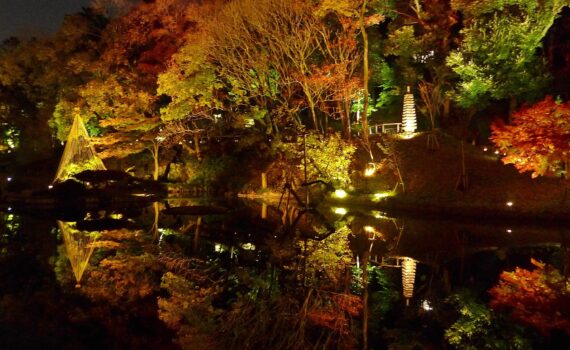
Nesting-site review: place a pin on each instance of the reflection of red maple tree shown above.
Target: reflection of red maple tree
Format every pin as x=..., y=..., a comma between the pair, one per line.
x=539, y=298
x=537, y=140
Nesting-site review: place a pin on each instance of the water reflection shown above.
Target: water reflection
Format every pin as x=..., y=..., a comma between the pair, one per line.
x=78, y=247
x=255, y=275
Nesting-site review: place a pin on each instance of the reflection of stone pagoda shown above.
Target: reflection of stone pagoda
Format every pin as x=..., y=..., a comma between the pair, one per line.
x=408, y=266
x=78, y=247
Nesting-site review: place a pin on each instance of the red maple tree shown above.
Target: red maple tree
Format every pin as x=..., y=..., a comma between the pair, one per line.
x=539, y=298
x=538, y=139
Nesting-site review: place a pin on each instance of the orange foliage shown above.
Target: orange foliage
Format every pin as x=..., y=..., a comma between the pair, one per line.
x=537, y=140
x=539, y=298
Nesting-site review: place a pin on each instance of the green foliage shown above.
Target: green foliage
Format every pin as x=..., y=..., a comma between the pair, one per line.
x=190, y=82
x=212, y=169
x=328, y=158
x=390, y=93
x=385, y=291
x=10, y=138
x=498, y=57
x=330, y=258
x=478, y=328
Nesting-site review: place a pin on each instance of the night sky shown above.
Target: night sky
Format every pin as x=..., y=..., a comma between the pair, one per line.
x=24, y=18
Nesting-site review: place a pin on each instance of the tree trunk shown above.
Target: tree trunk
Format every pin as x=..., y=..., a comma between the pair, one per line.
x=154, y=152
x=344, y=120
x=313, y=113
x=197, y=146
x=365, y=312
x=365, y=78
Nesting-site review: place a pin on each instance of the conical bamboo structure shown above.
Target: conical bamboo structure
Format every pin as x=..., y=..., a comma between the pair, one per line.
x=78, y=247
x=79, y=154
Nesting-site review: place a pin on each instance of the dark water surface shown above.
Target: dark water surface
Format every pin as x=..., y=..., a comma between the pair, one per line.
x=262, y=277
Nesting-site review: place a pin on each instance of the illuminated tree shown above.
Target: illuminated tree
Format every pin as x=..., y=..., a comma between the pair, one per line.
x=328, y=158
x=358, y=12
x=477, y=326
x=120, y=101
x=268, y=50
x=539, y=298
x=191, y=84
x=537, y=140
x=498, y=57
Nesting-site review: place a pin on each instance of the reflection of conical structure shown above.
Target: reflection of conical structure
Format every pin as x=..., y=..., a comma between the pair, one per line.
x=409, y=123
x=78, y=247
x=78, y=154
x=408, y=277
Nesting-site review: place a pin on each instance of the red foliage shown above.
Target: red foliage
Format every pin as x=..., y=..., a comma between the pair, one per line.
x=539, y=298
x=538, y=138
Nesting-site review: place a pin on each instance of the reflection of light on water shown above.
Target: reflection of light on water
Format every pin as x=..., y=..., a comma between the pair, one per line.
x=379, y=215
x=381, y=195
x=340, y=211
x=340, y=193
x=248, y=246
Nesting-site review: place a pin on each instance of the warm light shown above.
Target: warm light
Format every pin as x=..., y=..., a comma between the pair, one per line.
x=509, y=231
x=50, y=187
x=426, y=306
x=409, y=123
x=380, y=195
x=340, y=211
x=379, y=215
x=407, y=135
x=485, y=149
x=497, y=152
x=408, y=277
x=370, y=169
x=509, y=204
x=248, y=246
x=369, y=229
x=340, y=193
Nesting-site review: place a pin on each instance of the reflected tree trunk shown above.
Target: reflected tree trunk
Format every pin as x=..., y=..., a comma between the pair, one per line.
x=365, y=311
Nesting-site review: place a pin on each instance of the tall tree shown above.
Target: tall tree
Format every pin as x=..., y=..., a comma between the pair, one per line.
x=120, y=100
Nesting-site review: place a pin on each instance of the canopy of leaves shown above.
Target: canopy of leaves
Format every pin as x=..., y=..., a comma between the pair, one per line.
x=539, y=298
x=477, y=327
x=498, y=56
x=328, y=158
x=538, y=139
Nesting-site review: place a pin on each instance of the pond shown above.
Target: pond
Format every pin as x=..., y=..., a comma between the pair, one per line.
x=246, y=275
